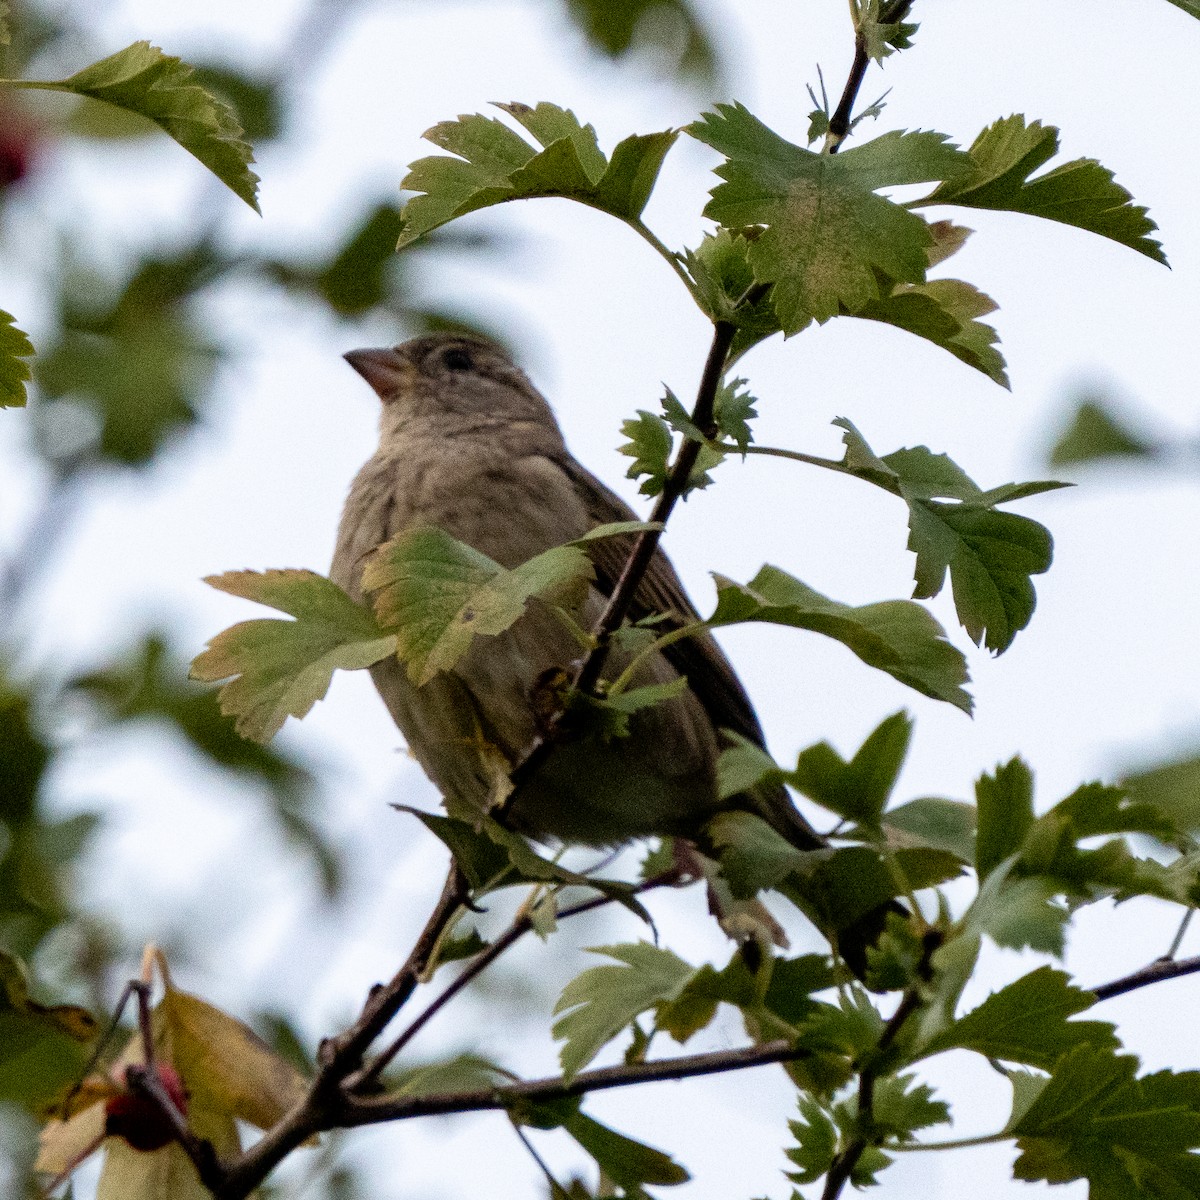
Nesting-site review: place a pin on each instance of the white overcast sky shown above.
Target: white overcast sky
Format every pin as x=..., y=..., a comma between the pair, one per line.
x=1104, y=678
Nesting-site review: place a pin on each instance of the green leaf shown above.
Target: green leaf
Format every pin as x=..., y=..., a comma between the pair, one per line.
x=1192, y=7
x=622, y=1160
x=1080, y=193
x=1018, y=912
x=828, y=235
x=437, y=594
x=494, y=164
x=816, y=1143
x=896, y=636
x=652, y=27
x=859, y=789
x=745, y=765
x=753, y=856
x=144, y=80
x=278, y=668
x=1004, y=802
x=596, y=1005
x=1027, y=1022
x=937, y=822
x=1172, y=788
x=14, y=372
x=626, y=1162
x=649, y=446
x=733, y=410
x=462, y=1073
x=945, y=312
x=903, y=1106
x=1127, y=1136
x=723, y=277
x=141, y=363
x=989, y=555
x=41, y=1045
x=881, y=38
x=1097, y=433
x=493, y=857
x=5, y=13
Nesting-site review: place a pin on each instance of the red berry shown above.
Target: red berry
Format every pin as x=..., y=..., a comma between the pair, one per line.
x=138, y=1119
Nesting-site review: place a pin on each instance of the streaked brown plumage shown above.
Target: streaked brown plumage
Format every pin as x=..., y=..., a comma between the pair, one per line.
x=468, y=445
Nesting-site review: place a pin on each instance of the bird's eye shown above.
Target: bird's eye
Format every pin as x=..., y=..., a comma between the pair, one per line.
x=457, y=359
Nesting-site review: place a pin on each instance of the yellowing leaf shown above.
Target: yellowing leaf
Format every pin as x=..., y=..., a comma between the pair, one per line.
x=278, y=668
x=226, y=1066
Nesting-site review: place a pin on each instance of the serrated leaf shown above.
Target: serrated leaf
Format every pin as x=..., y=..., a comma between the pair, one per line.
x=495, y=164
x=1004, y=802
x=1127, y=1136
x=733, y=411
x=437, y=594
x=816, y=1143
x=144, y=80
x=1017, y=912
x=1081, y=193
x=859, y=789
x=1027, y=1022
x=881, y=38
x=596, y=1005
x=990, y=556
x=895, y=636
x=15, y=347
x=944, y=311
x=649, y=446
x=278, y=668
x=903, y=1106
x=720, y=268
x=1094, y=433
x=828, y=234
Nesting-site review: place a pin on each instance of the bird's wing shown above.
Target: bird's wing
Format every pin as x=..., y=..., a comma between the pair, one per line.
x=699, y=658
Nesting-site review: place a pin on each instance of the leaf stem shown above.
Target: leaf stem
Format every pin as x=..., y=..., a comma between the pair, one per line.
x=644, y=230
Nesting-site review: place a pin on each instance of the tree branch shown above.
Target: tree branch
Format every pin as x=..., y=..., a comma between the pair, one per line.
x=475, y=967
x=1155, y=972
x=845, y=1162
x=843, y=116
x=374, y=1110
x=322, y=1105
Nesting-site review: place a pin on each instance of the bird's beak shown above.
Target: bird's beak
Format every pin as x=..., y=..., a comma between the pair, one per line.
x=385, y=370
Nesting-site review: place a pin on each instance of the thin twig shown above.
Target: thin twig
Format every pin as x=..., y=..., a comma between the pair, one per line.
x=1155, y=972
x=843, y=116
x=372, y=1110
x=845, y=1162
x=521, y=925
x=322, y=1105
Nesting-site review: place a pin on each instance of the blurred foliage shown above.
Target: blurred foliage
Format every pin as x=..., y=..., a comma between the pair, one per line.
x=127, y=358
